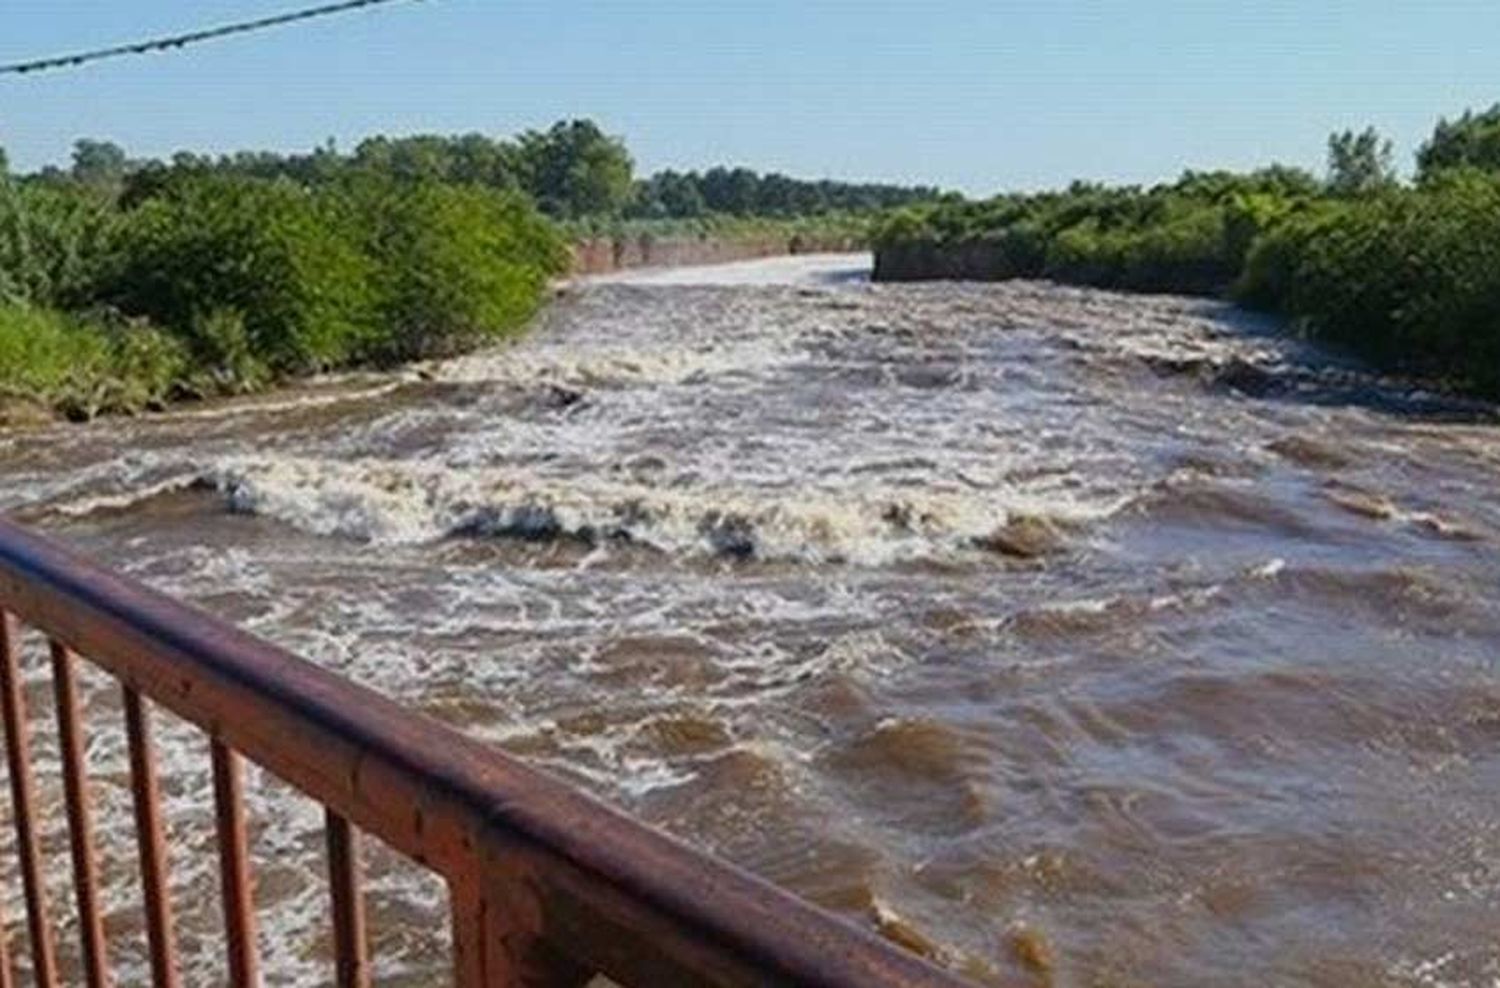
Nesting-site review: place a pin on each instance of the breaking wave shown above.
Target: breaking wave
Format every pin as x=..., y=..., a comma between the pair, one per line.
x=396, y=503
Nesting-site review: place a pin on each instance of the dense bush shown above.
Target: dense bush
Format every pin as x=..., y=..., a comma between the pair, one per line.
x=263, y=278
x=53, y=242
x=83, y=367
x=217, y=282
x=276, y=254
x=1191, y=236
x=1409, y=278
x=454, y=265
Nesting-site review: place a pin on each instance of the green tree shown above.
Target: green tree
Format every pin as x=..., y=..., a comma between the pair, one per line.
x=1359, y=163
x=731, y=190
x=574, y=169
x=670, y=194
x=1473, y=140
x=99, y=165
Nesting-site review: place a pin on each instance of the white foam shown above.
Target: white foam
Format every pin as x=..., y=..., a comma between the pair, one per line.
x=393, y=502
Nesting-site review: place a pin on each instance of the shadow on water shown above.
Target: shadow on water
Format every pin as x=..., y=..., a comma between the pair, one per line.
x=1299, y=370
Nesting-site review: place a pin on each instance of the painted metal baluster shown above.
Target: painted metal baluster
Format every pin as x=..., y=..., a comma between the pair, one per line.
x=151, y=841
x=18, y=758
x=80, y=817
x=471, y=968
x=234, y=868
x=351, y=952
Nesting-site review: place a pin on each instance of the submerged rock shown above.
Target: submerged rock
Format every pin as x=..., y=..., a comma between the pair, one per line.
x=1248, y=379
x=729, y=535
x=529, y=522
x=1308, y=452
x=559, y=397
x=1023, y=537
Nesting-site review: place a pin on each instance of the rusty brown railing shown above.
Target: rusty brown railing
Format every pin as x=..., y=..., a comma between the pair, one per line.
x=546, y=885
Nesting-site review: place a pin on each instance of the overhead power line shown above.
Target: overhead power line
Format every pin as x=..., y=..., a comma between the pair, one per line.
x=181, y=40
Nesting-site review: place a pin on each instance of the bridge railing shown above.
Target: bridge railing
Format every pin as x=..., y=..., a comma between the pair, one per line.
x=546, y=885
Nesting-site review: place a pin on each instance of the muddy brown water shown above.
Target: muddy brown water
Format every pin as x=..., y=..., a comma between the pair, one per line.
x=1084, y=638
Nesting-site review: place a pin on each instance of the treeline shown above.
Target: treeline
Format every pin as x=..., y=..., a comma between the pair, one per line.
x=126, y=283
x=1406, y=274
x=742, y=192
x=572, y=170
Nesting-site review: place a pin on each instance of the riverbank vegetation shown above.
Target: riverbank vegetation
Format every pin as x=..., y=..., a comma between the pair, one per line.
x=1406, y=274
x=126, y=284
x=224, y=283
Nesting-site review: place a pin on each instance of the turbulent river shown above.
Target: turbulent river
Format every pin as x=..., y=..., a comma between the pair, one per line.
x=1061, y=635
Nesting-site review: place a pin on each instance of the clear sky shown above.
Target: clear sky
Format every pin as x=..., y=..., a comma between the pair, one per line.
x=979, y=95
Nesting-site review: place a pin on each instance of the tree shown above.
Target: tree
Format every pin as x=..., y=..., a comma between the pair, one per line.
x=575, y=169
x=1473, y=140
x=100, y=165
x=731, y=190
x=669, y=194
x=1359, y=163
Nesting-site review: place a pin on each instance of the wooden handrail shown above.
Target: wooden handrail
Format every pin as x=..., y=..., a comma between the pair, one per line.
x=548, y=885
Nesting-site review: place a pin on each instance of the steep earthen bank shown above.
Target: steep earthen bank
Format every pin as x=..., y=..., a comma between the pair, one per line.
x=932, y=262
x=602, y=255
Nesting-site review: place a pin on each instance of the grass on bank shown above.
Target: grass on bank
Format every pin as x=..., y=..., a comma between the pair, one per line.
x=81, y=367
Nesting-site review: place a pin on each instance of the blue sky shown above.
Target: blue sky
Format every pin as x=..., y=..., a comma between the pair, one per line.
x=979, y=96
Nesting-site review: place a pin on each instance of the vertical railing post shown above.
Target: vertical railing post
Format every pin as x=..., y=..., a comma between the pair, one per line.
x=470, y=965
x=234, y=868
x=23, y=802
x=80, y=816
x=350, y=950
x=498, y=936
x=151, y=841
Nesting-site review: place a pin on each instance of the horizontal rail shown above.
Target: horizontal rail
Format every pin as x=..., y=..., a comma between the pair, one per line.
x=549, y=885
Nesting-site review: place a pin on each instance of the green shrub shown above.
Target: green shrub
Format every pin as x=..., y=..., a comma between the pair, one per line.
x=452, y=265
x=147, y=367
x=225, y=359
x=1191, y=236
x=273, y=252
x=47, y=354
x=82, y=367
x=54, y=243
x=1410, y=278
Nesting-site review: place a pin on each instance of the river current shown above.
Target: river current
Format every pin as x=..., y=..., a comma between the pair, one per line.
x=1061, y=635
